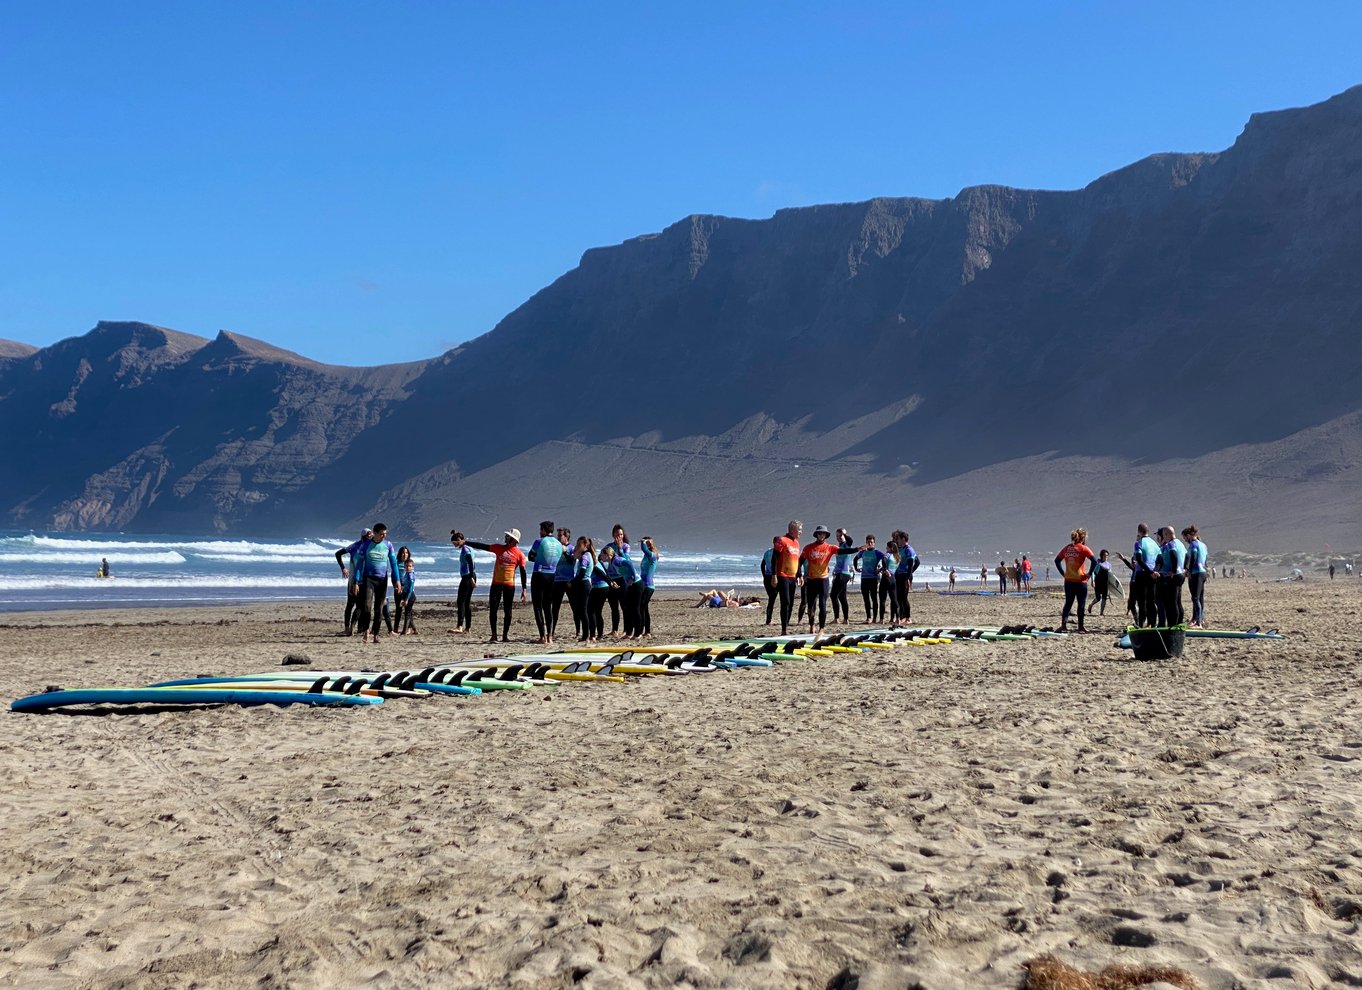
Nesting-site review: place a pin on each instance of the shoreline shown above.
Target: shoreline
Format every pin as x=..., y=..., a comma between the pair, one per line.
x=935, y=814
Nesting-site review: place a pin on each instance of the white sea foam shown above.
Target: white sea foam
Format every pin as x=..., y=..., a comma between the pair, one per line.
x=11, y=559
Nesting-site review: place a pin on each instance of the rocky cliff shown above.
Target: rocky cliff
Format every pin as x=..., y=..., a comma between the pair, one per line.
x=1168, y=312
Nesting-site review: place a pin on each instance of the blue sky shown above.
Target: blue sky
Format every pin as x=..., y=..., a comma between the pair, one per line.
x=378, y=181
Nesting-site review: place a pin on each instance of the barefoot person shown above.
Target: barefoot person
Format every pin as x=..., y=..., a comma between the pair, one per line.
x=1074, y=562
x=562, y=580
x=509, y=559
x=544, y=554
x=648, y=574
x=468, y=580
x=785, y=567
x=816, y=559
x=1197, y=572
x=351, y=589
x=909, y=562
x=871, y=562
x=375, y=561
x=1169, y=578
x=841, y=577
x=407, y=582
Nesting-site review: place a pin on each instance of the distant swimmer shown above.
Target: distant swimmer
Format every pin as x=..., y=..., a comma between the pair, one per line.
x=104, y=567
x=509, y=559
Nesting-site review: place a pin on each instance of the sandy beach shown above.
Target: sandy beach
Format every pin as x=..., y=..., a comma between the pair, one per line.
x=928, y=817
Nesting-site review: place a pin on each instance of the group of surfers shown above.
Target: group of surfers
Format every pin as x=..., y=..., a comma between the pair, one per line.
x=820, y=571
x=589, y=579
x=1159, y=568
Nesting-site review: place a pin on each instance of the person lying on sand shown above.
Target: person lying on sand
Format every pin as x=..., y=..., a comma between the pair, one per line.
x=717, y=599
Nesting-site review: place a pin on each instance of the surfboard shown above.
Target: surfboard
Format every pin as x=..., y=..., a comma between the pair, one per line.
x=123, y=696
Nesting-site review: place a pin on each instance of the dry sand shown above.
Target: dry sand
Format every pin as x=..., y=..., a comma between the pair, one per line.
x=929, y=817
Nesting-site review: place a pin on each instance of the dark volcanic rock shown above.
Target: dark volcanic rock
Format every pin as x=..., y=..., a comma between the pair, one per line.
x=1186, y=305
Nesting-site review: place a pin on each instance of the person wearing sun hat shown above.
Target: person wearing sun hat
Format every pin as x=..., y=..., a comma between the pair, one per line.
x=509, y=559
x=816, y=558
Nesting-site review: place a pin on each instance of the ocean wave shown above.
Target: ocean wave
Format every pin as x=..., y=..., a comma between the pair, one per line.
x=37, y=558
x=239, y=548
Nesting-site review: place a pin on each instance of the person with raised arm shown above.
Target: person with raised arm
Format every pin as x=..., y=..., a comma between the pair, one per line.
x=509, y=559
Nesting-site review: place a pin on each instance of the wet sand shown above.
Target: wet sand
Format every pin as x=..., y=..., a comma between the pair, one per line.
x=929, y=816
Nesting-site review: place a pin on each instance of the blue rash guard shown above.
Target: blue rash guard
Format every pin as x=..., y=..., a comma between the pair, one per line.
x=871, y=561
x=1172, y=555
x=545, y=552
x=841, y=563
x=406, y=580
x=624, y=569
x=467, y=567
x=1146, y=554
x=907, y=559
x=599, y=577
x=648, y=569
x=566, y=566
x=766, y=563
x=1196, y=557
x=582, y=568
x=376, y=560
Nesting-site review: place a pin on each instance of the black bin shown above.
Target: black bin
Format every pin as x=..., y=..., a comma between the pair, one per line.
x=1158, y=642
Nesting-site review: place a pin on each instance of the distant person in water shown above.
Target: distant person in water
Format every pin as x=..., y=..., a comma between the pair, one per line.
x=509, y=559
x=104, y=567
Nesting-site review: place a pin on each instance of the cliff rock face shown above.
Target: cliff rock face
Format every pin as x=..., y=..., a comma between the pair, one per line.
x=1172, y=310
x=135, y=426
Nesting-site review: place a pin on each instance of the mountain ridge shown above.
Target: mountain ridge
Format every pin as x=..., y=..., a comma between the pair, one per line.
x=906, y=342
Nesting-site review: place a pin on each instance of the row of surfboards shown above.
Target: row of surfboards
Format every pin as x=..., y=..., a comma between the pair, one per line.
x=348, y=688
x=1252, y=632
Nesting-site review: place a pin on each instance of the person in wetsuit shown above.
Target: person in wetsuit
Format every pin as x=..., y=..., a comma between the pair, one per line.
x=509, y=559
x=468, y=580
